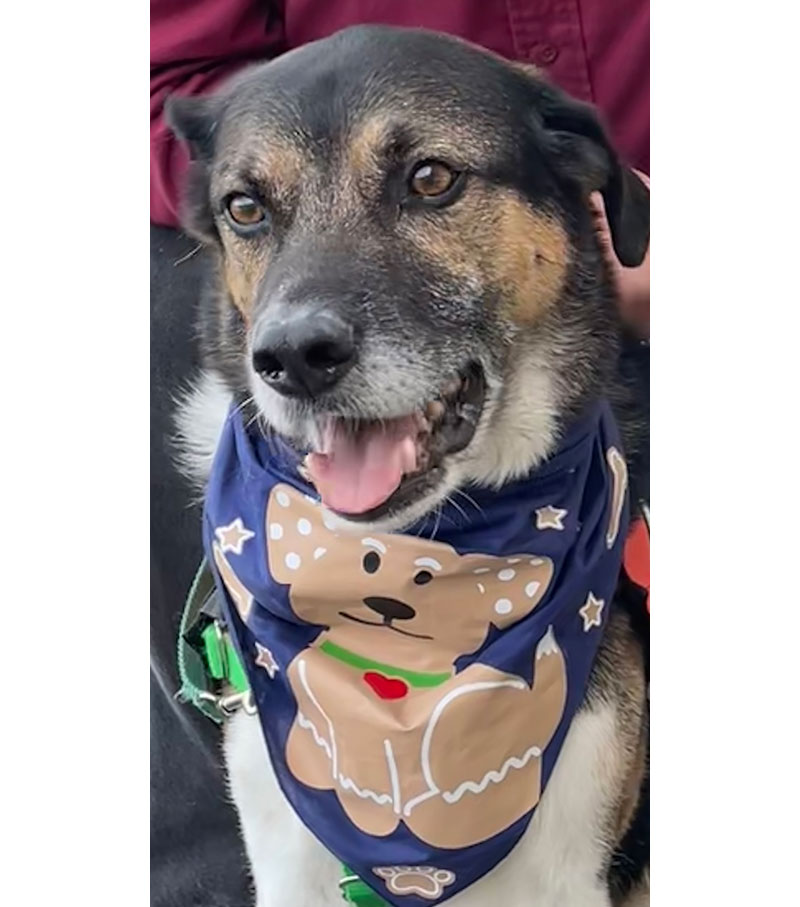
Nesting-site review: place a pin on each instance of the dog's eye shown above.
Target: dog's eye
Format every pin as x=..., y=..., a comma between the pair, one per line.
x=431, y=179
x=245, y=211
x=423, y=577
x=371, y=561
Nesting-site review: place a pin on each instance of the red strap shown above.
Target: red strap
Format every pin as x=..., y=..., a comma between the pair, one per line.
x=637, y=556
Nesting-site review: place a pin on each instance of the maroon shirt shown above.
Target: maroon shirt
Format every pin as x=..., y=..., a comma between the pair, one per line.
x=597, y=50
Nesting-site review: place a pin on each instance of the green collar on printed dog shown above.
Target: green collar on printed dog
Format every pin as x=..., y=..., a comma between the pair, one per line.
x=412, y=678
x=213, y=680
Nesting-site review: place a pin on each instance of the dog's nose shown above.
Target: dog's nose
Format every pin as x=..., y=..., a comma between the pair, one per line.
x=304, y=352
x=389, y=608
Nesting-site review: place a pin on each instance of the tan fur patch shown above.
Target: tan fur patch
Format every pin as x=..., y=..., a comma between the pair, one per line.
x=619, y=673
x=243, y=272
x=282, y=170
x=530, y=259
x=492, y=238
x=632, y=786
x=529, y=70
x=639, y=896
x=366, y=143
x=278, y=166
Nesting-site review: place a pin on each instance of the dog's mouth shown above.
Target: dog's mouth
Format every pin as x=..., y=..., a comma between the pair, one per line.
x=367, y=468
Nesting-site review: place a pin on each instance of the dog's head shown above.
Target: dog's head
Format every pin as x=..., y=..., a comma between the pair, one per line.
x=411, y=286
x=394, y=593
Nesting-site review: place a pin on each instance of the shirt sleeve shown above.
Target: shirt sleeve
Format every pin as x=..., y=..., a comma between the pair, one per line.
x=195, y=45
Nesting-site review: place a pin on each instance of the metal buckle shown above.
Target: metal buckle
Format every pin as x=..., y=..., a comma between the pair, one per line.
x=230, y=704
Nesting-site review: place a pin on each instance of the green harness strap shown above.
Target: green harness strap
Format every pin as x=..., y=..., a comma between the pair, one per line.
x=354, y=891
x=210, y=672
x=209, y=669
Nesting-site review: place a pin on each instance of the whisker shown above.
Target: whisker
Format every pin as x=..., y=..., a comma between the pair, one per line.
x=438, y=521
x=471, y=501
x=460, y=509
x=187, y=256
x=237, y=409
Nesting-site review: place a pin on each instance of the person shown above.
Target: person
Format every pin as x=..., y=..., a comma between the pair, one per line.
x=597, y=50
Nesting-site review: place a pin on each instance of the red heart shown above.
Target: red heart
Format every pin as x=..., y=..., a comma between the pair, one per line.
x=386, y=687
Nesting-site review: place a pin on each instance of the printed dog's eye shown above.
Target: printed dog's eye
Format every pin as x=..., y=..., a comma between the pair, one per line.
x=371, y=561
x=245, y=211
x=432, y=179
x=423, y=577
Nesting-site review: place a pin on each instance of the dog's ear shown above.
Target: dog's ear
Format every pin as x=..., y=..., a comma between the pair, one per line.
x=579, y=148
x=194, y=121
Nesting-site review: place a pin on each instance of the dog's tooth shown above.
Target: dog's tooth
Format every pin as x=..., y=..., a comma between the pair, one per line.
x=435, y=410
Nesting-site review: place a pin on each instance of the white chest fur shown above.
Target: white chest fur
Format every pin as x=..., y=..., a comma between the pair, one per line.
x=558, y=862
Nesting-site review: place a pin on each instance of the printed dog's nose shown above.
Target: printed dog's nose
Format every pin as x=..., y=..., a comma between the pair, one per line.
x=305, y=352
x=389, y=608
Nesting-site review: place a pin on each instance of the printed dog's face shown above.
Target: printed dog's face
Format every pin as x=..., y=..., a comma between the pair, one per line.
x=411, y=288
x=418, y=603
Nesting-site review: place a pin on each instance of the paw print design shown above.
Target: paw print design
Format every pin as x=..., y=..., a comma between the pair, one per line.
x=425, y=881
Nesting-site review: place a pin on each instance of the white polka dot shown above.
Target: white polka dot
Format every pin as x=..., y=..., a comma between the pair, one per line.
x=318, y=552
x=282, y=498
x=481, y=570
x=532, y=588
x=537, y=562
x=503, y=606
x=513, y=560
x=275, y=531
x=328, y=519
x=304, y=527
x=292, y=560
x=506, y=575
x=482, y=588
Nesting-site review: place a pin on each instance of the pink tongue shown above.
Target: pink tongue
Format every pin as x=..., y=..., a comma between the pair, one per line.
x=358, y=472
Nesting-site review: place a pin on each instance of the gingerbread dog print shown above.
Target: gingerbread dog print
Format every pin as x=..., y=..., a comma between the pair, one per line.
x=384, y=719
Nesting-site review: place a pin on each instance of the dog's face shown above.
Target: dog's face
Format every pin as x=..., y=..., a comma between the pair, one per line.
x=395, y=594
x=411, y=288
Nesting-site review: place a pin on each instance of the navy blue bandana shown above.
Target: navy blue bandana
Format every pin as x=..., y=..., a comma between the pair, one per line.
x=414, y=694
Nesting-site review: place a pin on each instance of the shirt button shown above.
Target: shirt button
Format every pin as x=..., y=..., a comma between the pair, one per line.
x=543, y=54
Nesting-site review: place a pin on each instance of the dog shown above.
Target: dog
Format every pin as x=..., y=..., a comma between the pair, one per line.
x=409, y=288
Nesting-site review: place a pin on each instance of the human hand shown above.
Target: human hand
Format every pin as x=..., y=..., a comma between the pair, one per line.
x=632, y=284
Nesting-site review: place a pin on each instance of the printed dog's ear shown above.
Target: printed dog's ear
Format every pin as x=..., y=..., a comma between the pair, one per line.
x=580, y=149
x=194, y=121
x=299, y=533
x=503, y=590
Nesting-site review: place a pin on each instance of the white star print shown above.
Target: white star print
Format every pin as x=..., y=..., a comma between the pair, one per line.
x=550, y=517
x=266, y=660
x=233, y=536
x=592, y=612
